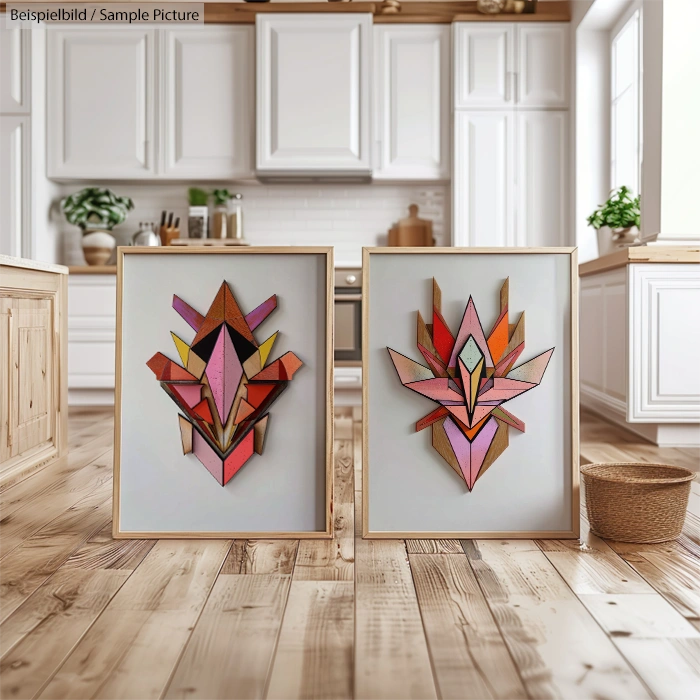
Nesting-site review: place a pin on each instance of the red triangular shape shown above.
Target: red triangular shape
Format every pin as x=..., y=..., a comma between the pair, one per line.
x=442, y=338
x=257, y=393
x=203, y=411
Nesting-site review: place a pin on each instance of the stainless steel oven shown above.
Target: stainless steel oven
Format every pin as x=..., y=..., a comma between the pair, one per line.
x=348, y=316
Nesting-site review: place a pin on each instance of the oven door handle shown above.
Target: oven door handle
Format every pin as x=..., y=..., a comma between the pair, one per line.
x=348, y=297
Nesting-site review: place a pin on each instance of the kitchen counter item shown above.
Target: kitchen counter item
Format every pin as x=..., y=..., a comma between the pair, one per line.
x=145, y=236
x=219, y=222
x=412, y=231
x=198, y=222
x=235, y=217
x=168, y=231
x=208, y=242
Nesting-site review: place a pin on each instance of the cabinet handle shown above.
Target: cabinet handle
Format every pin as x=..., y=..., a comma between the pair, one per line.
x=508, y=85
x=10, y=376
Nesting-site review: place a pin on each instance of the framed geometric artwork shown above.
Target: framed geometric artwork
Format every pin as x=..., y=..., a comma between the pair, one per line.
x=470, y=393
x=224, y=390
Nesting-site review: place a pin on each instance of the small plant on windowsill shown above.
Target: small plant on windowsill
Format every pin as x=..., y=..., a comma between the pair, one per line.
x=617, y=221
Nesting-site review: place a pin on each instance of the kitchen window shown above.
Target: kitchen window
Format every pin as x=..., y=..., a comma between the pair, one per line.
x=625, y=101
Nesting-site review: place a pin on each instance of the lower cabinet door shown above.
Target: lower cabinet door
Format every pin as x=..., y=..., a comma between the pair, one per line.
x=31, y=381
x=542, y=181
x=482, y=180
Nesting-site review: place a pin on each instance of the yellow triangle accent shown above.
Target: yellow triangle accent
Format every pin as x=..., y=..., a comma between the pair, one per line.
x=183, y=349
x=266, y=348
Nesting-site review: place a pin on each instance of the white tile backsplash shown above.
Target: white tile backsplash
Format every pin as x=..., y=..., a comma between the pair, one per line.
x=346, y=216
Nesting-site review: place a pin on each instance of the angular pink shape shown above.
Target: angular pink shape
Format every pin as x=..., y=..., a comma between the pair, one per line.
x=260, y=313
x=191, y=394
x=408, y=370
x=470, y=455
x=470, y=326
x=205, y=453
x=505, y=390
x=436, y=389
x=193, y=318
x=224, y=372
x=509, y=418
x=509, y=359
x=533, y=370
x=436, y=366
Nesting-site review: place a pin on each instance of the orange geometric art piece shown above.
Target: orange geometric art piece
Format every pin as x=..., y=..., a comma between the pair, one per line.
x=223, y=429
x=470, y=376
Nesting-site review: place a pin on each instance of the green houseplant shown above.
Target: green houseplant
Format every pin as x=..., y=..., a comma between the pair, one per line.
x=617, y=221
x=96, y=211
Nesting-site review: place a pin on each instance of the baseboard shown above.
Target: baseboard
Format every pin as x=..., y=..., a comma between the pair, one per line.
x=22, y=466
x=91, y=397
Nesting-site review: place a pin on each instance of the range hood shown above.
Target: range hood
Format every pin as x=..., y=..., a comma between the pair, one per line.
x=337, y=177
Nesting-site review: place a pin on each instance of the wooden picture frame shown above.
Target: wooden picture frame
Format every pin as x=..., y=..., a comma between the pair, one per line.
x=571, y=336
x=172, y=254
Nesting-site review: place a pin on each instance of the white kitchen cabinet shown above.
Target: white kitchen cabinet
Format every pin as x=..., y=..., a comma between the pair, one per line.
x=484, y=56
x=208, y=116
x=510, y=157
x=313, y=93
x=499, y=65
x=15, y=70
x=15, y=199
x=482, y=179
x=542, y=182
x=543, y=65
x=92, y=309
x=101, y=92
x=412, y=101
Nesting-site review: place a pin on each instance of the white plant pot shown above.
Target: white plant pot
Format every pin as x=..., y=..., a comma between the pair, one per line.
x=610, y=240
x=98, y=247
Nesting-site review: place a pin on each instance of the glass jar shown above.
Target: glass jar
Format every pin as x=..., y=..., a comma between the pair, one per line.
x=198, y=222
x=235, y=217
x=219, y=221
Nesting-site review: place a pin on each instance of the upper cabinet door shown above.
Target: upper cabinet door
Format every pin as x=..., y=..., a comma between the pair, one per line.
x=313, y=93
x=542, y=172
x=412, y=101
x=208, y=118
x=14, y=70
x=100, y=102
x=483, y=69
x=543, y=65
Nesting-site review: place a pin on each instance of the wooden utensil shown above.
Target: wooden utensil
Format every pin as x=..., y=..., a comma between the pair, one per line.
x=412, y=231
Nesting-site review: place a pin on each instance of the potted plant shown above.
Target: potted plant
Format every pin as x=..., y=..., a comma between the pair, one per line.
x=198, y=218
x=96, y=211
x=617, y=221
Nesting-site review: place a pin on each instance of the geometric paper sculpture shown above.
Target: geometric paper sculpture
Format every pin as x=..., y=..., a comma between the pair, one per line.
x=470, y=376
x=225, y=385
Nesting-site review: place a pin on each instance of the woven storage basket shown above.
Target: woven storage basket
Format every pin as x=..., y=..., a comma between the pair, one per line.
x=633, y=502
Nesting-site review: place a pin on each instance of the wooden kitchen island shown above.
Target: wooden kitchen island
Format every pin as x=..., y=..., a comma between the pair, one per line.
x=640, y=334
x=33, y=318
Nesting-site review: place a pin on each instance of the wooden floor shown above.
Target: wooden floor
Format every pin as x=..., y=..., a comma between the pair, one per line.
x=83, y=616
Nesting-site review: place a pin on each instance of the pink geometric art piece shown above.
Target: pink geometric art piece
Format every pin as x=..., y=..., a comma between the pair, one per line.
x=226, y=429
x=470, y=377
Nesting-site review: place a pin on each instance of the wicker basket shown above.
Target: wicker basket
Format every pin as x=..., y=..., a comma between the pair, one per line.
x=633, y=502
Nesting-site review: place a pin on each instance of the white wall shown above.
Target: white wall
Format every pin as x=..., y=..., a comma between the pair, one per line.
x=347, y=216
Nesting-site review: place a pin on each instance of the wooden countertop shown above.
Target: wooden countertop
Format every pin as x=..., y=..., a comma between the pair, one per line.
x=640, y=254
x=92, y=269
x=26, y=264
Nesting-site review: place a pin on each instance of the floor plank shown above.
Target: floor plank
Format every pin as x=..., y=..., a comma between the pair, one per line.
x=469, y=656
x=391, y=652
x=315, y=650
x=230, y=651
x=133, y=648
x=559, y=649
